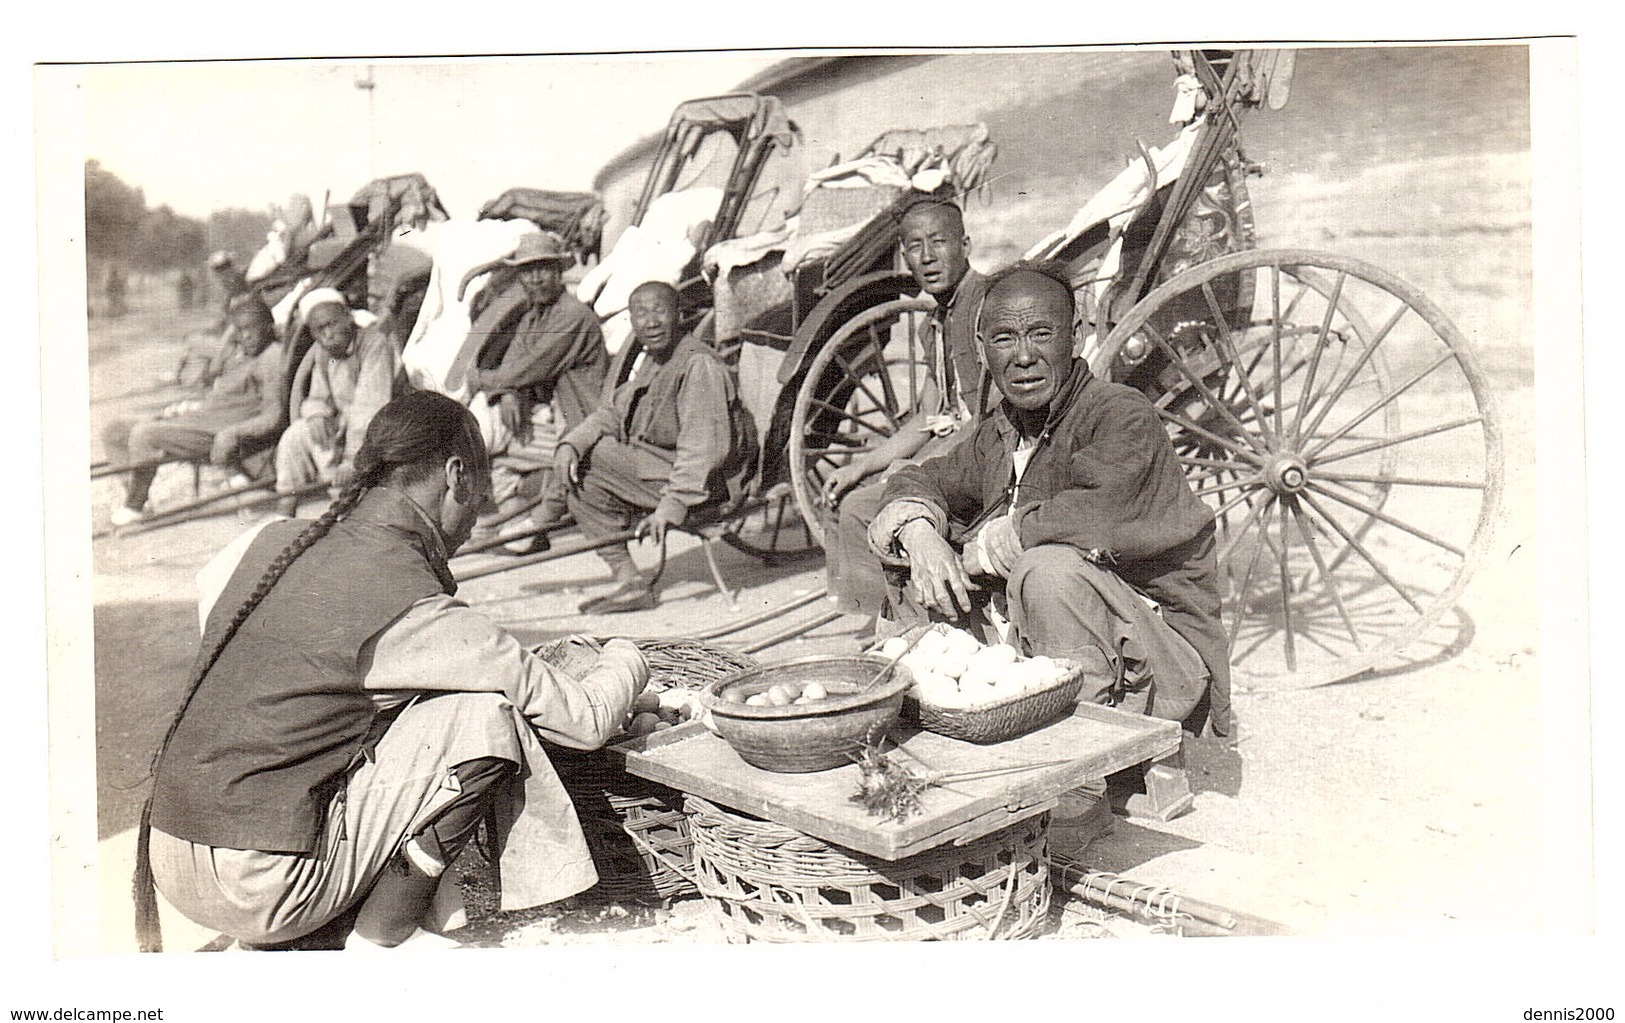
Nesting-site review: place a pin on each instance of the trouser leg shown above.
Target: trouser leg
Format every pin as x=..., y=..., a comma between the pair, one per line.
x=855, y=575
x=402, y=793
x=612, y=497
x=1064, y=605
x=397, y=903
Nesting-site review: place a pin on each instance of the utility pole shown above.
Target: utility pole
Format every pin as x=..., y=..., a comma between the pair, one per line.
x=368, y=85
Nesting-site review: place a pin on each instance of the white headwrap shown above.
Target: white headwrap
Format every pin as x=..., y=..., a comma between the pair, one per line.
x=319, y=296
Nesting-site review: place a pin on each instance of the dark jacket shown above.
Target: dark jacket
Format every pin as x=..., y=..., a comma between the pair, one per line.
x=685, y=420
x=281, y=717
x=1105, y=479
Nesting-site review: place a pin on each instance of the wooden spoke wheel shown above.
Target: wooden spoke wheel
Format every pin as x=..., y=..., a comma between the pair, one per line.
x=1342, y=431
x=863, y=383
x=775, y=533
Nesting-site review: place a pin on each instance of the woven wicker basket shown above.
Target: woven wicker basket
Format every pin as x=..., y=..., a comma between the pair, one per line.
x=1005, y=719
x=771, y=883
x=636, y=829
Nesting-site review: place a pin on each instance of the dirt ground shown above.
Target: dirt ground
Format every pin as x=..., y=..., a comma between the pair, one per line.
x=1410, y=802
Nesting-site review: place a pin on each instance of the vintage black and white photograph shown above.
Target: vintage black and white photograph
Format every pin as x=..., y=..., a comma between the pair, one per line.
x=1060, y=494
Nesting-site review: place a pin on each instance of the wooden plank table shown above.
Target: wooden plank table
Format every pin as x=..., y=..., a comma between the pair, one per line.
x=1095, y=741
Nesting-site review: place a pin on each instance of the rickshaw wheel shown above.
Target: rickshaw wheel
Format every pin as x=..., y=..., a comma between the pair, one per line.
x=864, y=381
x=1355, y=473
x=774, y=533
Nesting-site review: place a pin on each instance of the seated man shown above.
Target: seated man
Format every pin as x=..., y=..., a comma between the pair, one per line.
x=550, y=375
x=934, y=246
x=353, y=377
x=237, y=418
x=671, y=440
x=1068, y=507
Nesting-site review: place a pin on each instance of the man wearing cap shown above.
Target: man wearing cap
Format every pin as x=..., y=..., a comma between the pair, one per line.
x=1061, y=519
x=671, y=441
x=935, y=248
x=354, y=369
x=235, y=421
x=545, y=377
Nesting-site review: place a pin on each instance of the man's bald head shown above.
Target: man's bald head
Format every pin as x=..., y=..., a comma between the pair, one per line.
x=1043, y=275
x=931, y=233
x=653, y=309
x=655, y=290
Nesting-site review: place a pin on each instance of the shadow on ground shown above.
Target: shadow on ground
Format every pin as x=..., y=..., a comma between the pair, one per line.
x=144, y=650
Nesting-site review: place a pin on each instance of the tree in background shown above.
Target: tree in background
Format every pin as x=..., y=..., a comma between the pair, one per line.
x=122, y=235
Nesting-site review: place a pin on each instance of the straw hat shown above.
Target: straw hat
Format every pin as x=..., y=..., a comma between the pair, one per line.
x=541, y=247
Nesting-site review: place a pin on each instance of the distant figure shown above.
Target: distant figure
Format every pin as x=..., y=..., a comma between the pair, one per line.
x=116, y=284
x=185, y=290
x=231, y=281
x=935, y=248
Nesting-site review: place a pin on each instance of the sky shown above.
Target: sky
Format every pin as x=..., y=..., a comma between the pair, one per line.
x=200, y=136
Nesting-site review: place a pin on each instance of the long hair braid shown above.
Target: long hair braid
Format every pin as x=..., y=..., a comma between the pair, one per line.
x=409, y=431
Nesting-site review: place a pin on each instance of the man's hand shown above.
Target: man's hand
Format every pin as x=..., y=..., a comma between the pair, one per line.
x=567, y=466
x=844, y=479
x=224, y=449
x=513, y=417
x=343, y=474
x=998, y=545
x=653, y=526
x=939, y=581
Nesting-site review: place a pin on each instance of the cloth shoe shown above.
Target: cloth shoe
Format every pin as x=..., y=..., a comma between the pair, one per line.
x=124, y=515
x=633, y=596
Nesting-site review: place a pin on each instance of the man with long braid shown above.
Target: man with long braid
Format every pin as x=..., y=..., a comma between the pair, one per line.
x=348, y=722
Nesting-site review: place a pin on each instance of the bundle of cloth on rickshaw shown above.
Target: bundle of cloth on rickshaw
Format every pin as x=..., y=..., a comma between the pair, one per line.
x=577, y=217
x=382, y=230
x=751, y=275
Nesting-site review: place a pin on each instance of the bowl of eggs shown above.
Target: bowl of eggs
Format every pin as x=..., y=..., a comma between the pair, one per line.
x=807, y=714
x=978, y=693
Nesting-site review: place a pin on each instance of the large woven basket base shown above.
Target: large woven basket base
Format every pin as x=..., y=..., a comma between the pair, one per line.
x=771, y=883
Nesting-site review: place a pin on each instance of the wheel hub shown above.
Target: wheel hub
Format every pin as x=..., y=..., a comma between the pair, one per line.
x=1286, y=474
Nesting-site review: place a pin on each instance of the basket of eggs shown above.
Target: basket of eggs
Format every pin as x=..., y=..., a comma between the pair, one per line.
x=965, y=690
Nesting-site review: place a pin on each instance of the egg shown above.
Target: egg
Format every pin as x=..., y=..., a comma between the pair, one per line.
x=1047, y=670
x=931, y=644
x=673, y=699
x=733, y=695
x=643, y=724
x=759, y=700
x=994, y=656
x=814, y=691
x=893, y=647
x=951, y=664
x=978, y=676
x=962, y=643
x=781, y=696
x=646, y=702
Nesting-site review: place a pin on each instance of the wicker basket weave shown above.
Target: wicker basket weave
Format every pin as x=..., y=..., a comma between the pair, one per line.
x=1005, y=719
x=636, y=829
x=771, y=883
